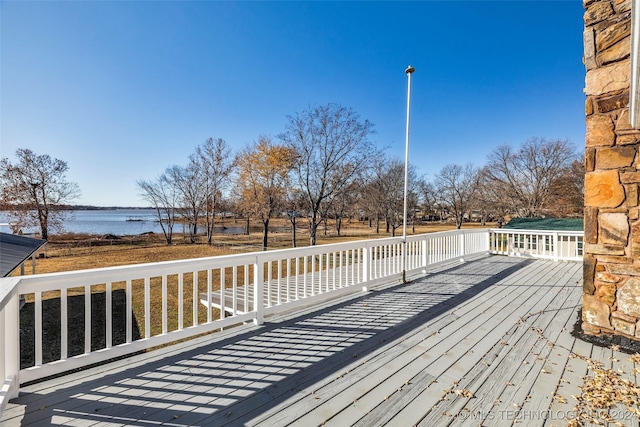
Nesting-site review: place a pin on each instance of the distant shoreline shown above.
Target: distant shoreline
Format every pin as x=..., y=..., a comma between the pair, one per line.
x=102, y=208
x=93, y=208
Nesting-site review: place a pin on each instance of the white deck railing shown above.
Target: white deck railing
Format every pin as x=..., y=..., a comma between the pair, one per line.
x=190, y=297
x=556, y=245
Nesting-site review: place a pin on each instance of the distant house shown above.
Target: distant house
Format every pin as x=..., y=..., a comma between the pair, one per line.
x=551, y=238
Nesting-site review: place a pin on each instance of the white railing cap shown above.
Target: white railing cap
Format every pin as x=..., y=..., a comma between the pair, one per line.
x=8, y=288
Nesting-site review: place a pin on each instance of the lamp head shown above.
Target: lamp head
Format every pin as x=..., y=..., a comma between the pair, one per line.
x=409, y=69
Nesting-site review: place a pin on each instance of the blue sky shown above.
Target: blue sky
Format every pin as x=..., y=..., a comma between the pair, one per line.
x=121, y=90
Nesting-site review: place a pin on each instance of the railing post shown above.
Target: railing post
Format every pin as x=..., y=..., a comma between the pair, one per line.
x=489, y=241
x=556, y=246
x=258, y=292
x=10, y=344
x=12, y=339
x=425, y=255
x=462, y=248
x=366, y=266
x=403, y=259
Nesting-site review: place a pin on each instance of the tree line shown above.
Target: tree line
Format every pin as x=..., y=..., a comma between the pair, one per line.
x=322, y=167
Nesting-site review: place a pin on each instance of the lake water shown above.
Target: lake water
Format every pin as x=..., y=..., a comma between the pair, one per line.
x=121, y=222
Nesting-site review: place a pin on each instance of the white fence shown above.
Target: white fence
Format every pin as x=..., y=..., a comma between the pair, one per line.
x=556, y=245
x=180, y=299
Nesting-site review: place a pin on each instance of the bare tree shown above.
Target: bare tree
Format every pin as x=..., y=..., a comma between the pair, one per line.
x=526, y=175
x=162, y=193
x=413, y=200
x=568, y=191
x=343, y=205
x=35, y=188
x=389, y=184
x=371, y=194
x=332, y=148
x=429, y=197
x=239, y=207
x=491, y=198
x=295, y=200
x=216, y=164
x=456, y=186
x=189, y=182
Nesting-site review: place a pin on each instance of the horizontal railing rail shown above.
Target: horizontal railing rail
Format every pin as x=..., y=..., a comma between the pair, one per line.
x=79, y=318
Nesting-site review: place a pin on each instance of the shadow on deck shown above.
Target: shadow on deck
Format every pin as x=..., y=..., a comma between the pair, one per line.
x=306, y=368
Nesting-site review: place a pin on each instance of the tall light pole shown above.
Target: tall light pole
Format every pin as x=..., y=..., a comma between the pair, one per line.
x=408, y=72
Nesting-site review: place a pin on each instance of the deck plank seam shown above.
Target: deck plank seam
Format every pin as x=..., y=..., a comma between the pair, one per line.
x=505, y=350
x=365, y=422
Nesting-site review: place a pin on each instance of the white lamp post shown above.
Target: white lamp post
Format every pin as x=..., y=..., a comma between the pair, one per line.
x=408, y=71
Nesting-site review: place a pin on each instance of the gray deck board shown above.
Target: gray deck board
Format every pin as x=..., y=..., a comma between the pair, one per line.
x=574, y=370
x=488, y=368
x=498, y=383
x=467, y=353
x=384, y=374
x=535, y=383
x=379, y=358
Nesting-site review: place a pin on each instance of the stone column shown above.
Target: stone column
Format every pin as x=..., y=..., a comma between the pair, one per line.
x=611, y=287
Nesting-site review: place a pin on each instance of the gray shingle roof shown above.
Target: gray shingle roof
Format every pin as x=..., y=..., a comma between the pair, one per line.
x=14, y=250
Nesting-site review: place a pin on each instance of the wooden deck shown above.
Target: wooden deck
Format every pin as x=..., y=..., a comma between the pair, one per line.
x=486, y=342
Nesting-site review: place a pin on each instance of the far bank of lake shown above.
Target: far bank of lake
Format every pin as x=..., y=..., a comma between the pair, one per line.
x=120, y=222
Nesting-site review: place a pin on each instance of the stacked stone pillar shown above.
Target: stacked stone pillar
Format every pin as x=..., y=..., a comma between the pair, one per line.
x=611, y=287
